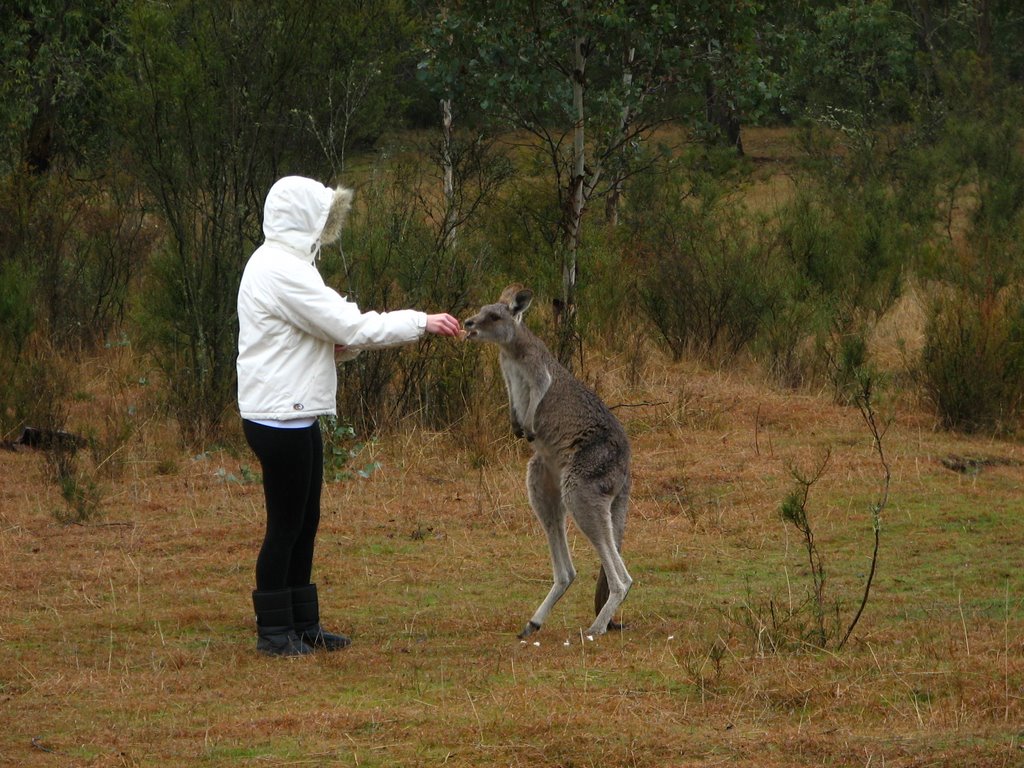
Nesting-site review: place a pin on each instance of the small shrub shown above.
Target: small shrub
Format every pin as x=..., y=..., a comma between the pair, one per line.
x=187, y=323
x=78, y=487
x=786, y=345
x=972, y=364
x=342, y=451
x=819, y=620
x=708, y=287
x=17, y=317
x=35, y=388
x=845, y=351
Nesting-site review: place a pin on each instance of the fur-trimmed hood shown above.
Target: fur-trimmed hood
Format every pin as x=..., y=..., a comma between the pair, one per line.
x=301, y=214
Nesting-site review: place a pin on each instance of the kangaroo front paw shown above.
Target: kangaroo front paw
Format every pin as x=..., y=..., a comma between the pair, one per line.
x=530, y=436
x=518, y=431
x=529, y=629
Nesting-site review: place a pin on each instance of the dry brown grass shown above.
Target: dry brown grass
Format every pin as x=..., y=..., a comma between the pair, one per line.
x=129, y=640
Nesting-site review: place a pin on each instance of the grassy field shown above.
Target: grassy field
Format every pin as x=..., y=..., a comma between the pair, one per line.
x=129, y=640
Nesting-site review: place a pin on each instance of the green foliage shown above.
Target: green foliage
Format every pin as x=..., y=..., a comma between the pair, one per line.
x=985, y=172
x=846, y=363
x=846, y=250
x=972, y=363
x=736, y=57
x=34, y=388
x=862, y=220
x=56, y=60
x=208, y=119
x=827, y=625
x=792, y=509
x=245, y=476
x=523, y=240
x=17, y=316
x=358, y=64
x=856, y=64
x=186, y=321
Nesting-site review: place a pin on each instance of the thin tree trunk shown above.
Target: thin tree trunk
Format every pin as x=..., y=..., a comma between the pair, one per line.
x=567, y=342
x=723, y=117
x=611, y=209
x=448, y=171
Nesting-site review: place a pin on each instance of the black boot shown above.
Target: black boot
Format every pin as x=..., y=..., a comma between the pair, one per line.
x=277, y=636
x=306, y=617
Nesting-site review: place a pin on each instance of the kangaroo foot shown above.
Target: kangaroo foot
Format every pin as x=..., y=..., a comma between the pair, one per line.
x=528, y=630
x=613, y=625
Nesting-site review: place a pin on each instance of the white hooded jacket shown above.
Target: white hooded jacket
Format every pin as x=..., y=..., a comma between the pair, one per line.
x=289, y=320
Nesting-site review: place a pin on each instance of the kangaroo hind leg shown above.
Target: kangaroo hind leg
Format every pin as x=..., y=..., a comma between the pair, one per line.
x=545, y=498
x=619, y=508
x=593, y=514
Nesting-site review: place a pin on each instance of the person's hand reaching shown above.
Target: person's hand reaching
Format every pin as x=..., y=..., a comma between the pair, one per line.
x=443, y=325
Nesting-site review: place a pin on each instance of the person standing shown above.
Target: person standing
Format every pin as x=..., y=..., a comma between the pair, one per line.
x=292, y=329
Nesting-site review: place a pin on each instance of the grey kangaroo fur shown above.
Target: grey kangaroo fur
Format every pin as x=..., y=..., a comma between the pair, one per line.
x=580, y=462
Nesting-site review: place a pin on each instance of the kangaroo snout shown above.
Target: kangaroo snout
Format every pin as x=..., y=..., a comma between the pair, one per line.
x=492, y=323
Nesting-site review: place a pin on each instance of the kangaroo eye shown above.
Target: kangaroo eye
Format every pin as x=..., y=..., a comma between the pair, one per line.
x=493, y=317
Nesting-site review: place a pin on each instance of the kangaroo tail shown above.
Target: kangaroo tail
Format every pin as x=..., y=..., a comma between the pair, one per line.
x=601, y=597
x=601, y=594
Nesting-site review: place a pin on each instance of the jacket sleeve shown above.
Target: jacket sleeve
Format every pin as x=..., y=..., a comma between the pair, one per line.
x=305, y=301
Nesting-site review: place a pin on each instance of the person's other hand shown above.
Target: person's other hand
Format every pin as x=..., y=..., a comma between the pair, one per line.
x=342, y=353
x=443, y=324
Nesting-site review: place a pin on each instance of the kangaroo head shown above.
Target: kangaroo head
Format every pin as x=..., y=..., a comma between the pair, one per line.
x=497, y=322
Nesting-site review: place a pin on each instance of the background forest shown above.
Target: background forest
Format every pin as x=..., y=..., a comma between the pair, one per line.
x=594, y=150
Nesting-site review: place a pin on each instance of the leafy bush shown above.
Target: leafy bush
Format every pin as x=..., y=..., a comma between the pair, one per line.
x=849, y=247
x=524, y=241
x=786, y=347
x=17, y=315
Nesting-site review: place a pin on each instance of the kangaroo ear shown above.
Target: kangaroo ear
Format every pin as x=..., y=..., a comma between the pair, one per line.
x=520, y=303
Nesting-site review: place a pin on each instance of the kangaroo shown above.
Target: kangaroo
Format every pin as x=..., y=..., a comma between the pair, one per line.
x=580, y=461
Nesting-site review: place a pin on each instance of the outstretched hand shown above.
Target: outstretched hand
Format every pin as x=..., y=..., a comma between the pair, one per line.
x=443, y=324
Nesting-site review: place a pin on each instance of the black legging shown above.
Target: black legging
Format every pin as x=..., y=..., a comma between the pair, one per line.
x=293, y=471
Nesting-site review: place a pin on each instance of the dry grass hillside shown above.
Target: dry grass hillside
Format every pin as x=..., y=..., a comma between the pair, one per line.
x=129, y=639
